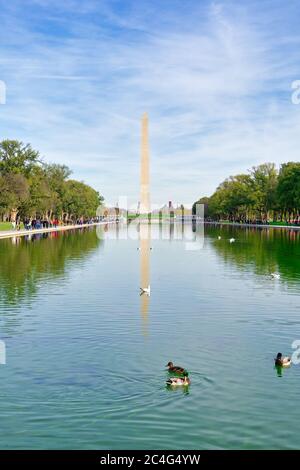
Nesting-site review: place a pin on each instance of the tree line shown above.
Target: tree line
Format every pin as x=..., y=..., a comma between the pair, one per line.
x=264, y=194
x=31, y=188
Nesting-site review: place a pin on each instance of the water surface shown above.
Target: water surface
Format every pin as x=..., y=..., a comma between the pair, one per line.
x=86, y=353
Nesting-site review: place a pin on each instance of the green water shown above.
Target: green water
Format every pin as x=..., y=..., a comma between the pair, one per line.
x=86, y=354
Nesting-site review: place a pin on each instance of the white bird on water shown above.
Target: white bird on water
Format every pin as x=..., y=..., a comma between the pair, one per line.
x=275, y=275
x=145, y=290
x=219, y=237
x=232, y=240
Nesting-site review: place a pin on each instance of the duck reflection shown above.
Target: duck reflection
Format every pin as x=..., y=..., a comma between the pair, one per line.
x=278, y=370
x=184, y=389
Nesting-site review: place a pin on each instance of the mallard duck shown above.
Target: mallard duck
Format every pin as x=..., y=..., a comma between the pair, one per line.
x=179, y=381
x=175, y=369
x=282, y=361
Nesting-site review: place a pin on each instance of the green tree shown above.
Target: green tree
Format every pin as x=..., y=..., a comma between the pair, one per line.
x=288, y=189
x=246, y=196
x=57, y=176
x=14, y=192
x=38, y=202
x=264, y=186
x=31, y=188
x=15, y=157
x=233, y=198
x=80, y=200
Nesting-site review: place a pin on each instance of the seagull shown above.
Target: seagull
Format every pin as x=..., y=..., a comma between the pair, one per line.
x=219, y=237
x=275, y=275
x=145, y=290
x=138, y=248
x=232, y=240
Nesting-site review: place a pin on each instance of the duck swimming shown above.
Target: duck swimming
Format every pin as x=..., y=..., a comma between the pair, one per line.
x=179, y=381
x=282, y=361
x=175, y=369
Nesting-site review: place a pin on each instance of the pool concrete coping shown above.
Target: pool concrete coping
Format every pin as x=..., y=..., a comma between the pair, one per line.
x=22, y=233
x=236, y=224
x=61, y=228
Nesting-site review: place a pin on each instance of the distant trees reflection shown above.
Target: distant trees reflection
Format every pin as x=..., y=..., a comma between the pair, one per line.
x=27, y=260
x=265, y=250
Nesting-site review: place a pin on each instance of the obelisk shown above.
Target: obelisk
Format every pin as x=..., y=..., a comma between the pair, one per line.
x=145, y=190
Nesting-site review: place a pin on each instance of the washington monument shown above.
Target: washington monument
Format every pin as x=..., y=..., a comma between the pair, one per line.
x=145, y=232
x=145, y=190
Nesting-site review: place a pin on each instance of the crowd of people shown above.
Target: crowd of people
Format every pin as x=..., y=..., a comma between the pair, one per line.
x=39, y=223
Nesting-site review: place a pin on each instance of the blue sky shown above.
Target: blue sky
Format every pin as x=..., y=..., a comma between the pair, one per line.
x=214, y=77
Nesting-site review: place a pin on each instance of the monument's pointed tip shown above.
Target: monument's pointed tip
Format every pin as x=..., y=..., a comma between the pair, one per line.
x=145, y=115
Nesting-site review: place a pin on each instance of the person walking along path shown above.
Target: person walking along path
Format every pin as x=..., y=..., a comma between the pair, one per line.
x=61, y=228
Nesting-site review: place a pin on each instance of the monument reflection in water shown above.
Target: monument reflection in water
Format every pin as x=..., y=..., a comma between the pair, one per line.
x=145, y=245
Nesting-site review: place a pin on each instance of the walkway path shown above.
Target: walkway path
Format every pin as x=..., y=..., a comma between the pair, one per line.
x=61, y=228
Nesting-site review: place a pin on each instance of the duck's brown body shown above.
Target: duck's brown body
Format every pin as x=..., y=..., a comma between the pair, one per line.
x=175, y=369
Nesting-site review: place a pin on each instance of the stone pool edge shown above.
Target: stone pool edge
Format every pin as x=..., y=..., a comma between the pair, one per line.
x=23, y=232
